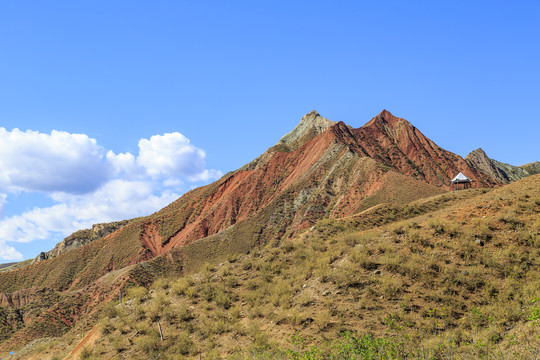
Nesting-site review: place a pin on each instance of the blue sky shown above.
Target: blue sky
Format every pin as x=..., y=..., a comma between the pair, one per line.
x=168, y=95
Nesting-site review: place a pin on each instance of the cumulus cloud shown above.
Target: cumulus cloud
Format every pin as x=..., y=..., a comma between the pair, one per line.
x=9, y=252
x=59, y=161
x=89, y=184
x=116, y=200
x=3, y=198
x=171, y=155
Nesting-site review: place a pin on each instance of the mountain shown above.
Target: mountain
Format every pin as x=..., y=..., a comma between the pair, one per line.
x=502, y=172
x=321, y=169
x=396, y=143
x=532, y=168
x=451, y=276
x=82, y=237
x=5, y=265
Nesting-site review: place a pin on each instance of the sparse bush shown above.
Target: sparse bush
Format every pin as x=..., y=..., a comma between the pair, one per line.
x=391, y=286
x=86, y=353
x=223, y=299
x=361, y=256
x=437, y=226
x=161, y=283
x=107, y=327
x=512, y=220
x=110, y=310
x=149, y=344
x=183, y=345
x=137, y=293
x=180, y=285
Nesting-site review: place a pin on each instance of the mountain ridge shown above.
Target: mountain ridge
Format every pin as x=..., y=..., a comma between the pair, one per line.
x=505, y=173
x=321, y=169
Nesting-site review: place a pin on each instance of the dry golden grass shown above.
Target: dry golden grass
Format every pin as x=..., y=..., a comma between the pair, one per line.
x=450, y=277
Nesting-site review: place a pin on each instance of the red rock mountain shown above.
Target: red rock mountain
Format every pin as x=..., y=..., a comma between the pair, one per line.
x=320, y=169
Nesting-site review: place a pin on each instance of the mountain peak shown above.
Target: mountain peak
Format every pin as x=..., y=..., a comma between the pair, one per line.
x=477, y=152
x=386, y=119
x=385, y=113
x=311, y=125
x=311, y=114
x=502, y=172
x=390, y=118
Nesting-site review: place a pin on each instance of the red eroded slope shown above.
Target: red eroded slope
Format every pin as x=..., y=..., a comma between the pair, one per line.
x=398, y=144
x=329, y=175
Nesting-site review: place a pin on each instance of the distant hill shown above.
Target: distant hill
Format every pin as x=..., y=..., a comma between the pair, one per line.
x=504, y=173
x=5, y=265
x=532, y=168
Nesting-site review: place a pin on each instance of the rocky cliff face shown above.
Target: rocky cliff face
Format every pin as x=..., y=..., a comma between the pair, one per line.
x=502, y=172
x=82, y=237
x=311, y=125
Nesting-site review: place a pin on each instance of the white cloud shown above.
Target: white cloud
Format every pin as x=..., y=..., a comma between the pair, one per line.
x=116, y=200
x=170, y=155
x=88, y=184
x=3, y=198
x=123, y=164
x=59, y=161
x=9, y=252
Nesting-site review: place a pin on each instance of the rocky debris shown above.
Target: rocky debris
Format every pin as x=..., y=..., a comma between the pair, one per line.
x=502, y=172
x=82, y=237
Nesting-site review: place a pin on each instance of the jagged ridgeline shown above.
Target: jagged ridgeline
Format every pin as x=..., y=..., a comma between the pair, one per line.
x=323, y=171
x=504, y=173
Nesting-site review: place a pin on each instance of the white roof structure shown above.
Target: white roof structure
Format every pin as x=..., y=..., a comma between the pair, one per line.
x=460, y=178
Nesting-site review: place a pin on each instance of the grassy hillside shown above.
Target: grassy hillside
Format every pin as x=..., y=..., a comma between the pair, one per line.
x=454, y=276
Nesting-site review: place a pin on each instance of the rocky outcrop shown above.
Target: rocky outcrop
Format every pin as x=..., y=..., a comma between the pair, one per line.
x=502, y=172
x=532, y=168
x=82, y=237
x=311, y=125
x=21, y=298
